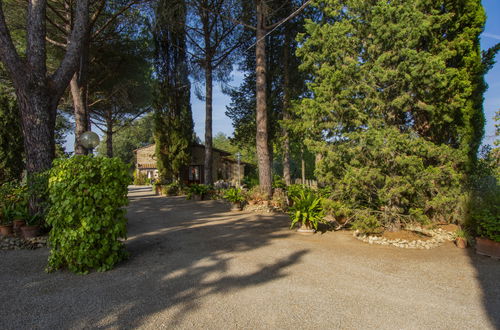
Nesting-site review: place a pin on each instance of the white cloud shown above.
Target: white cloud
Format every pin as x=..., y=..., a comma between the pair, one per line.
x=491, y=35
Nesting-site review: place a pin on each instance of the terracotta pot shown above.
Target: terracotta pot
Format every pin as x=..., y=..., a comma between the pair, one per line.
x=6, y=230
x=158, y=190
x=306, y=229
x=30, y=231
x=17, y=226
x=487, y=247
x=461, y=242
x=235, y=207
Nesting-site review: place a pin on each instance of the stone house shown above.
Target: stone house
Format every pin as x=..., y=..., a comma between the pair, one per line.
x=225, y=167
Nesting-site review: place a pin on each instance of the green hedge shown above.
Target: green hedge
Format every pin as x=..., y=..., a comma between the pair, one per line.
x=87, y=196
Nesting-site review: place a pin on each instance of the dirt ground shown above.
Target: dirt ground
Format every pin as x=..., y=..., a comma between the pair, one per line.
x=198, y=265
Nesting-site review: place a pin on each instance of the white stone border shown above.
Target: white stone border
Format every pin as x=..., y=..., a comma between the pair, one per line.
x=439, y=236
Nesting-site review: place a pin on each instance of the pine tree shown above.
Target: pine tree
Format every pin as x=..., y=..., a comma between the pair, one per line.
x=173, y=130
x=213, y=40
x=284, y=83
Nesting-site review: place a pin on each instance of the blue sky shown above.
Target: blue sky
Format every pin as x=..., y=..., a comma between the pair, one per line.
x=490, y=37
x=223, y=124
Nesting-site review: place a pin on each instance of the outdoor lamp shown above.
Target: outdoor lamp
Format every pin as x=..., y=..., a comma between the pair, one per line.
x=89, y=140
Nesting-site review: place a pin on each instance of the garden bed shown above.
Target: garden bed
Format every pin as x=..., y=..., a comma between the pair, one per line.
x=412, y=237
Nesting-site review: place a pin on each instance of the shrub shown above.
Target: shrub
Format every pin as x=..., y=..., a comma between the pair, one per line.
x=234, y=195
x=486, y=212
x=306, y=209
x=250, y=181
x=8, y=214
x=278, y=182
x=87, y=216
x=336, y=209
x=172, y=189
x=367, y=223
x=198, y=189
x=256, y=194
x=140, y=179
x=295, y=190
x=484, y=205
x=397, y=177
x=280, y=200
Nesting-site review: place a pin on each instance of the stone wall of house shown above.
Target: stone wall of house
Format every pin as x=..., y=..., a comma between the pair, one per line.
x=223, y=169
x=198, y=158
x=146, y=155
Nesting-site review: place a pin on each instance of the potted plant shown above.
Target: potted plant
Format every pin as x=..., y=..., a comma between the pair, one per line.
x=306, y=211
x=235, y=197
x=20, y=216
x=197, y=191
x=32, y=228
x=461, y=238
x=6, y=220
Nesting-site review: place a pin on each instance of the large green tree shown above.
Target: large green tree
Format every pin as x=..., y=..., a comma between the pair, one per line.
x=120, y=85
x=11, y=140
x=173, y=116
x=397, y=90
x=411, y=64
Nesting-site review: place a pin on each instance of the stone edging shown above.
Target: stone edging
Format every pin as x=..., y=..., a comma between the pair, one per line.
x=439, y=236
x=14, y=243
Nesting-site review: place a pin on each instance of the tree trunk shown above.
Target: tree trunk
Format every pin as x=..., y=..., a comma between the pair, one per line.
x=208, y=124
x=303, y=165
x=286, y=109
x=109, y=134
x=38, y=135
x=79, y=88
x=264, y=162
x=79, y=95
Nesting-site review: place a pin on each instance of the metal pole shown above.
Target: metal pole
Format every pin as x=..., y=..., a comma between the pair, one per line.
x=238, y=158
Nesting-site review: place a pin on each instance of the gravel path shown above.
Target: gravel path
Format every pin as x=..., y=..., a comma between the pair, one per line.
x=197, y=265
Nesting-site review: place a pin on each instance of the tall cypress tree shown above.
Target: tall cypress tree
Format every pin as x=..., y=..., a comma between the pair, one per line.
x=415, y=65
x=173, y=130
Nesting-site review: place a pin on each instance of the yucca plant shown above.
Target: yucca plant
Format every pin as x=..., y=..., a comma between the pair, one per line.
x=306, y=210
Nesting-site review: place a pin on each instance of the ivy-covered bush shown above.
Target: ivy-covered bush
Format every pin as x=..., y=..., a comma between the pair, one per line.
x=388, y=177
x=87, y=196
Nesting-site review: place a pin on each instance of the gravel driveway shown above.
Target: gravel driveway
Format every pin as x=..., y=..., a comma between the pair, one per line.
x=197, y=265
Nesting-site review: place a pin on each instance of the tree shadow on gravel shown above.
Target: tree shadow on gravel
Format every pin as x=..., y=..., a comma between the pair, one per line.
x=180, y=253
x=488, y=275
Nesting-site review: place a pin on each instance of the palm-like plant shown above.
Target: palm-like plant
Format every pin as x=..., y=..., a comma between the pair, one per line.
x=306, y=210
